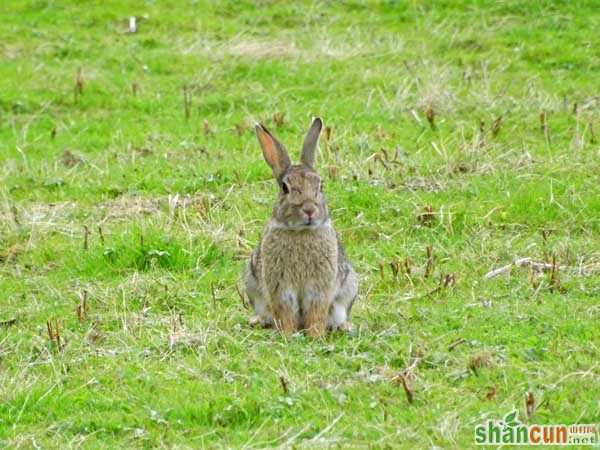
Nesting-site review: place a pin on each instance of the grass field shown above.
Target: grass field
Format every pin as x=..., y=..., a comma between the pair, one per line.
x=132, y=191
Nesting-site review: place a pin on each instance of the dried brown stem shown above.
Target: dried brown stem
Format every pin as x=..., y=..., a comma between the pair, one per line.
x=430, y=261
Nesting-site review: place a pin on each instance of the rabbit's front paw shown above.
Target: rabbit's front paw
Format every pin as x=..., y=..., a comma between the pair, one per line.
x=257, y=321
x=346, y=327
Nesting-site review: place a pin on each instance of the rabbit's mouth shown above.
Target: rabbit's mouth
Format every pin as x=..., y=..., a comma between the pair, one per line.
x=311, y=222
x=306, y=225
x=314, y=223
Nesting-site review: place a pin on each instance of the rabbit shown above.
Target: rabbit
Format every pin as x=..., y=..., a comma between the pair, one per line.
x=298, y=277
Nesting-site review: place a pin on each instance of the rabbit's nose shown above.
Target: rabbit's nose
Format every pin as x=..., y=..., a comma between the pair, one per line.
x=309, y=210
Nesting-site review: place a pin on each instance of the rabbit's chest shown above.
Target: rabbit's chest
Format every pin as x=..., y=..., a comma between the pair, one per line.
x=300, y=260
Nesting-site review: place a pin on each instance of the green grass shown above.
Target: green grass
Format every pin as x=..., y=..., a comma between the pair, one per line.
x=165, y=356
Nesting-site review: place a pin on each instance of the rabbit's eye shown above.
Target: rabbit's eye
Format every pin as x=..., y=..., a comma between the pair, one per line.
x=285, y=188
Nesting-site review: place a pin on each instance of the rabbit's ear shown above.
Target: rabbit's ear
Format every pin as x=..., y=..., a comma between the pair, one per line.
x=274, y=152
x=310, y=143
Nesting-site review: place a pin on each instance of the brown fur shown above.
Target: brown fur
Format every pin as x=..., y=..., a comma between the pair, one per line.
x=299, y=276
x=299, y=268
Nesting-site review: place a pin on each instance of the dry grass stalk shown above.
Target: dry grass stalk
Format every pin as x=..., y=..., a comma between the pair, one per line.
x=78, y=84
x=456, y=343
x=86, y=237
x=279, y=119
x=407, y=266
x=381, y=157
x=533, y=278
x=404, y=378
x=481, y=139
x=479, y=361
x=333, y=171
x=543, y=123
x=245, y=303
x=445, y=281
x=427, y=216
x=70, y=159
x=187, y=101
x=544, y=127
x=395, y=266
x=10, y=254
x=82, y=308
x=54, y=334
x=15, y=215
x=8, y=322
x=430, y=114
x=430, y=261
x=554, y=280
x=207, y=129
x=529, y=404
x=496, y=126
x=407, y=385
x=535, y=266
x=213, y=293
x=591, y=130
x=101, y=235
x=285, y=384
x=327, y=139
x=449, y=279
